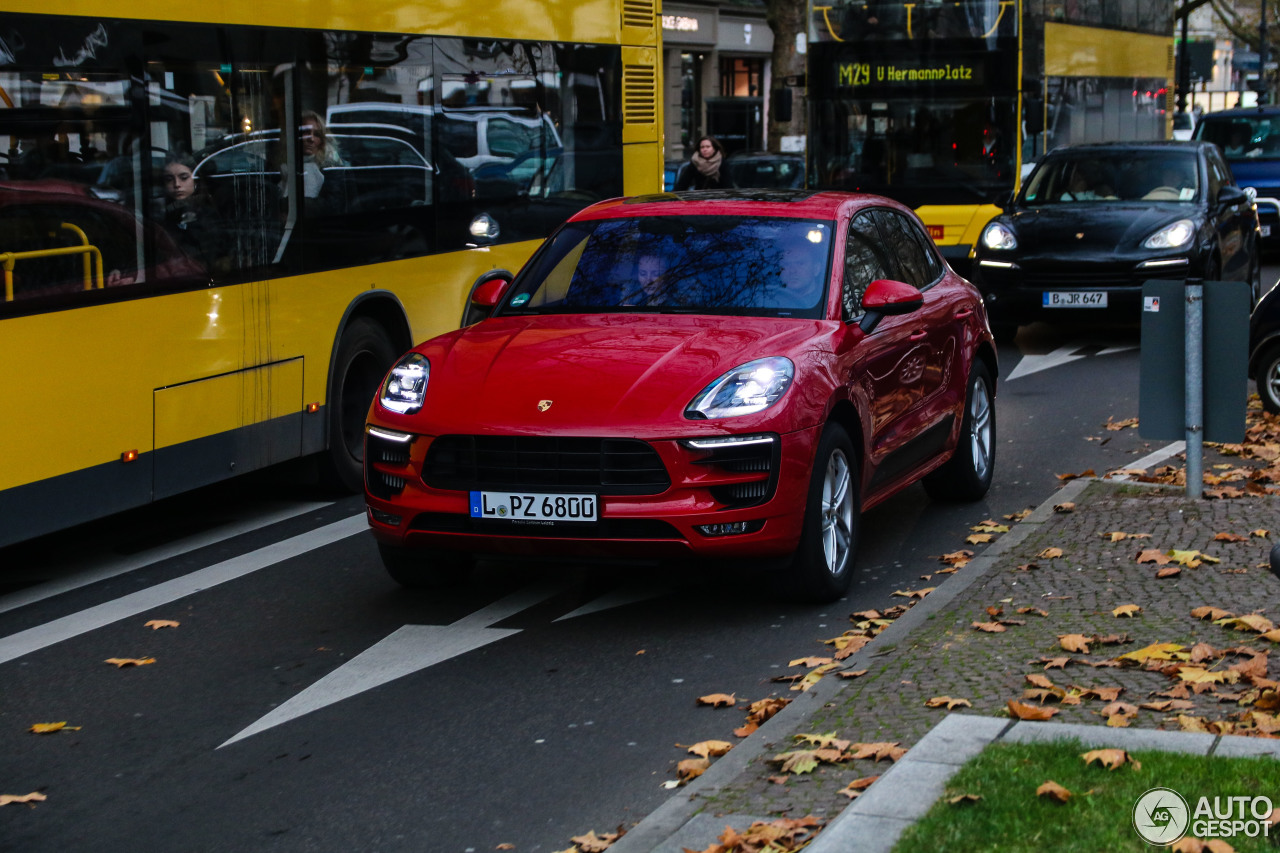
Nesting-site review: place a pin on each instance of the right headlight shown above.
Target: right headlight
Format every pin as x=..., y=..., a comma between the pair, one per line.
x=405, y=387
x=997, y=235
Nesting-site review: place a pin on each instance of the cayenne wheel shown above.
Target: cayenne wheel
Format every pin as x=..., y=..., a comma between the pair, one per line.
x=823, y=564
x=1268, y=379
x=420, y=569
x=364, y=356
x=966, y=476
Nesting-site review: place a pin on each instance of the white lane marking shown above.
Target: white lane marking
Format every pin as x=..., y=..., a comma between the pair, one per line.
x=123, y=565
x=407, y=650
x=618, y=598
x=1153, y=459
x=42, y=636
x=1062, y=355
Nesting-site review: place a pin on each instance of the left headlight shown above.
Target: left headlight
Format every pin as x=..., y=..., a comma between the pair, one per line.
x=406, y=385
x=1173, y=236
x=745, y=390
x=997, y=235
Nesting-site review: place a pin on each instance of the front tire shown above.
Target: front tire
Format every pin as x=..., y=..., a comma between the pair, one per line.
x=363, y=358
x=822, y=567
x=418, y=569
x=1267, y=377
x=966, y=476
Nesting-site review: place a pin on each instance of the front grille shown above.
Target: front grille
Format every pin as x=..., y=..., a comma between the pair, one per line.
x=605, y=528
x=606, y=466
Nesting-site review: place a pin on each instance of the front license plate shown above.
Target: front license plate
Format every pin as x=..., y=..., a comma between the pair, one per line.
x=530, y=506
x=1075, y=299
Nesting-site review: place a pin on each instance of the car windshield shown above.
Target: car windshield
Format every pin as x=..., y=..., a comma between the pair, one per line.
x=1114, y=176
x=1243, y=137
x=679, y=264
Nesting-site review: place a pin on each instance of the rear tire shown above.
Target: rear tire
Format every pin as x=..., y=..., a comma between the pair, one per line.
x=1267, y=377
x=363, y=358
x=421, y=569
x=822, y=567
x=966, y=476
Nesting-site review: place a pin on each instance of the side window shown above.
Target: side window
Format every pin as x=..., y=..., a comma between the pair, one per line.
x=865, y=260
x=918, y=262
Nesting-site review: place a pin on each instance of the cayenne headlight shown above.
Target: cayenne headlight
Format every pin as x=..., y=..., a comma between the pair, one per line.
x=997, y=235
x=745, y=390
x=406, y=385
x=1173, y=236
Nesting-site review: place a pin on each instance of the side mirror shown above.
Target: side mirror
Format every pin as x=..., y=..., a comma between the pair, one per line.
x=1231, y=196
x=885, y=297
x=489, y=293
x=486, y=293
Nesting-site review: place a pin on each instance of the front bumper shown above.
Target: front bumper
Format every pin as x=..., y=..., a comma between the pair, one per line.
x=412, y=504
x=1022, y=291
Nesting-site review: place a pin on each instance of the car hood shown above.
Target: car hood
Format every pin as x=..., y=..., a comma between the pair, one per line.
x=597, y=374
x=1093, y=226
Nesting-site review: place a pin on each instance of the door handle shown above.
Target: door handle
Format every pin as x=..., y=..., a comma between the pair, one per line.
x=964, y=313
x=918, y=335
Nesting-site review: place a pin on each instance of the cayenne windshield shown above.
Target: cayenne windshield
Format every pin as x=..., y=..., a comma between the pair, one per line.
x=680, y=264
x=1115, y=176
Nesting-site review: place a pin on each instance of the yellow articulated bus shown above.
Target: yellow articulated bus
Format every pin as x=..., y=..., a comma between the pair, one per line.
x=944, y=105
x=218, y=229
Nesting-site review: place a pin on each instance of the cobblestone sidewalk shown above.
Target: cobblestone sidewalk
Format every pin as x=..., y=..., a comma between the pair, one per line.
x=1057, y=574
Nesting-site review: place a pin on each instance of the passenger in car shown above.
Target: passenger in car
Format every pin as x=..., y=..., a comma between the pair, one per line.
x=1086, y=185
x=323, y=168
x=1174, y=185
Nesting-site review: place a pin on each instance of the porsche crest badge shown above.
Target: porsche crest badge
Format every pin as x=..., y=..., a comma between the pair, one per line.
x=543, y=405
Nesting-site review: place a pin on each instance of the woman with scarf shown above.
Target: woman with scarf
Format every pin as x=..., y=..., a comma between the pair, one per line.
x=702, y=172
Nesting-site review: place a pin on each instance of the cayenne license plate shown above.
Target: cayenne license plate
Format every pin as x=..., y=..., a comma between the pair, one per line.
x=1075, y=299
x=531, y=506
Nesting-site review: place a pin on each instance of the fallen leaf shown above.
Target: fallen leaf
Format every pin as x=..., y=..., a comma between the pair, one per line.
x=50, y=728
x=948, y=702
x=1064, y=508
x=989, y=627
x=1230, y=537
x=33, y=797
x=1126, y=610
x=692, y=768
x=800, y=761
x=1155, y=651
x=156, y=624
x=811, y=662
x=710, y=748
x=914, y=593
x=506, y=845
x=1053, y=791
x=121, y=663
x=1248, y=622
x=851, y=673
x=1110, y=758
x=592, y=843
x=1029, y=712
x=718, y=700
x=1211, y=613
x=878, y=751
x=1168, y=572
x=1039, y=611
x=1050, y=553
x=1261, y=533
x=977, y=538
x=1074, y=643
x=1152, y=555
x=960, y=799
x=1106, y=694
x=855, y=788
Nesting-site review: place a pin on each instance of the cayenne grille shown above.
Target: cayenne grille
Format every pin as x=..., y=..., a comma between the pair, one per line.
x=607, y=466
x=758, y=461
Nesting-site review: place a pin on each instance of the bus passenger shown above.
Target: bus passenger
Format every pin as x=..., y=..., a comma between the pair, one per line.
x=190, y=215
x=320, y=158
x=702, y=172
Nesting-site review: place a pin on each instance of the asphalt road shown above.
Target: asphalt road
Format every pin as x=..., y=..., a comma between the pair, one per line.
x=305, y=702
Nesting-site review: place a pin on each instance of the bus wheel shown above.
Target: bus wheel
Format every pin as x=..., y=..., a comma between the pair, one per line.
x=364, y=357
x=418, y=569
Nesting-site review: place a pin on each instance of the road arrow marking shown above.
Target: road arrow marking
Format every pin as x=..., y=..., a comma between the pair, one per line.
x=1062, y=355
x=407, y=650
x=618, y=598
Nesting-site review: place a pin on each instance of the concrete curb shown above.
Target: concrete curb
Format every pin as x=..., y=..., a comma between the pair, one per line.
x=874, y=822
x=672, y=825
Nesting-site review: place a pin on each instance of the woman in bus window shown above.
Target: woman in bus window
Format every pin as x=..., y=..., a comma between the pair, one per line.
x=190, y=216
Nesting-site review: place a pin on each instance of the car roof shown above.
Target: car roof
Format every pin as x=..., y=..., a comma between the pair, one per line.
x=1145, y=145
x=1241, y=112
x=797, y=204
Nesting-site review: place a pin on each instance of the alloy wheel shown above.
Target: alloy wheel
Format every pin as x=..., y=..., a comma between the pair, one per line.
x=837, y=512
